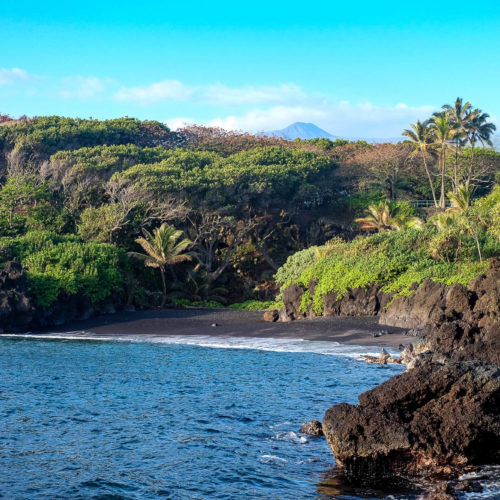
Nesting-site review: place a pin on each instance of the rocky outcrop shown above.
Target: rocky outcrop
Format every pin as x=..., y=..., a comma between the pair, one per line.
x=19, y=312
x=434, y=418
x=434, y=304
x=292, y=298
x=313, y=428
x=355, y=302
x=17, y=308
x=271, y=315
x=425, y=305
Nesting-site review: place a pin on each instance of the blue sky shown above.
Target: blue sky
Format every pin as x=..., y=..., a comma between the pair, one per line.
x=354, y=68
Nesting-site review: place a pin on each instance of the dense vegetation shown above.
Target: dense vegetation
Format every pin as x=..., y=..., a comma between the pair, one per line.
x=80, y=198
x=452, y=247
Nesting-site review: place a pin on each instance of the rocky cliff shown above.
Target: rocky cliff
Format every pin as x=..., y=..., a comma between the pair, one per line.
x=18, y=310
x=443, y=413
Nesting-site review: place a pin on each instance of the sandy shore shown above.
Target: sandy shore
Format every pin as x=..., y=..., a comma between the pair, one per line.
x=349, y=330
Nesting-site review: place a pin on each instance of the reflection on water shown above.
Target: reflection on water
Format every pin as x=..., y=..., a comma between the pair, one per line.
x=335, y=484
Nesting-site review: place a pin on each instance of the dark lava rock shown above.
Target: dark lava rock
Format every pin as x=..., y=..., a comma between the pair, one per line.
x=271, y=315
x=434, y=418
x=19, y=312
x=292, y=297
x=355, y=302
x=469, y=486
x=17, y=308
x=314, y=428
x=425, y=305
x=465, y=323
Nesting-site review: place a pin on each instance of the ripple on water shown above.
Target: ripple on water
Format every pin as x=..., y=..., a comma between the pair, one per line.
x=134, y=420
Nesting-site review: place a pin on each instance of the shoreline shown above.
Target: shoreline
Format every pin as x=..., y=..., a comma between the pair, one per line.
x=235, y=323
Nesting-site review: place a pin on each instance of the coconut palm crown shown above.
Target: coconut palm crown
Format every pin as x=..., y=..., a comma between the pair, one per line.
x=163, y=249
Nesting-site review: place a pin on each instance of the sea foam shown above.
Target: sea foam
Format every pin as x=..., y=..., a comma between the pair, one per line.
x=221, y=342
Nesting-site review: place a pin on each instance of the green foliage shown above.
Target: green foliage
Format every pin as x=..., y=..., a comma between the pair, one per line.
x=259, y=177
x=294, y=266
x=395, y=260
x=64, y=263
x=99, y=223
x=47, y=134
x=209, y=304
x=253, y=305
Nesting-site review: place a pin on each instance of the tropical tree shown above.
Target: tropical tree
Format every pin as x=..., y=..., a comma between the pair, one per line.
x=460, y=117
x=420, y=135
x=378, y=218
x=479, y=130
x=444, y=132
x=162, y=250
x=461, y=199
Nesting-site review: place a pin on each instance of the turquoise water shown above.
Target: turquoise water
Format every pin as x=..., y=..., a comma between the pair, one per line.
x=141, y=420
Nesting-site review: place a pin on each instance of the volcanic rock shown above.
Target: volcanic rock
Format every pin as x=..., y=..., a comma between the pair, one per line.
x=16, y=306
x=313, y=428
x=437, y=417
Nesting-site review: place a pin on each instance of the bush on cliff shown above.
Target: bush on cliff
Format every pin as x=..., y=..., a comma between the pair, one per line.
x=56, y=264
x=396, y=260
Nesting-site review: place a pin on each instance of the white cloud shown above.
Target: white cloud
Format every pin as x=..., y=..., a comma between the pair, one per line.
x=174, y=90
x=271, y=118
x=268, y=94
x=84, y=87
x=15, y=75
x=167, y=90
x=342, y=118
x=176, y=123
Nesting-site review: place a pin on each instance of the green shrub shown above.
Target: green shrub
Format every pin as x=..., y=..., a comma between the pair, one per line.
x=394, y=260
x=292, y=269
x=64, y=263
x=253, y=305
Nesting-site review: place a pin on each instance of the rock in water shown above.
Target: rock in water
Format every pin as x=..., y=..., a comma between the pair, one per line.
x=314, y=428
x=435, y=418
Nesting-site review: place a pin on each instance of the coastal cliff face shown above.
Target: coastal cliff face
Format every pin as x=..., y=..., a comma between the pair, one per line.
x=434, y=418
x=18, y=311
x=17, y=308
x=443, y=414
x=464, y=322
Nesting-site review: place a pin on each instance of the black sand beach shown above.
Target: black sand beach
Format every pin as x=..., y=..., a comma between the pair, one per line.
x=232, y=323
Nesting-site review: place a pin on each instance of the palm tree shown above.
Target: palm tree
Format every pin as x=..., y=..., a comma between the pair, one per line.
x=419, y=134
x=378, y=218
x=444, y=133
x=461, y=200
x=460, y=115
x=479, y=130
x=162, y=250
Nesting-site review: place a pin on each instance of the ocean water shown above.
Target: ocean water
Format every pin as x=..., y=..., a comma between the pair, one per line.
x=97, y=419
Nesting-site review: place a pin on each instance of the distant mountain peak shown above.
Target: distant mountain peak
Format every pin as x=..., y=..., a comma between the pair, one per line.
x=300, y=130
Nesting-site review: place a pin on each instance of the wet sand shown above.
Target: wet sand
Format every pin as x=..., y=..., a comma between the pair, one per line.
x=349, y=330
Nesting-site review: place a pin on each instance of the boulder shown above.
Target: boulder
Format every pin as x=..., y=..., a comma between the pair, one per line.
x=355, y=302
x=271, y=315
x=313, y=428
x=435, y=418
x=292, y=297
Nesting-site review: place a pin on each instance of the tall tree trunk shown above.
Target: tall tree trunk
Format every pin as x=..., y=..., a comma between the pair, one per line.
x=431, y=184
x=164, y=286
x=471, y=169
x=442, y=203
